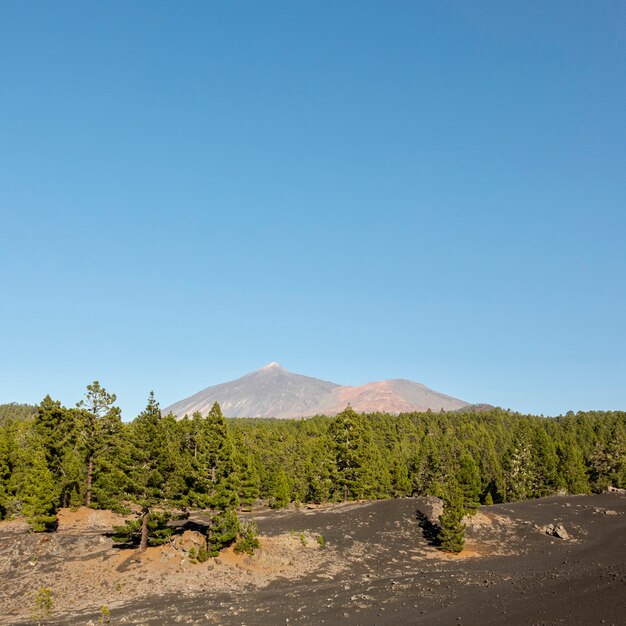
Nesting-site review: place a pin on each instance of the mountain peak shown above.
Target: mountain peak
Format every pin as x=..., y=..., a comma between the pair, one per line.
x=273, y=391
x=272, y=366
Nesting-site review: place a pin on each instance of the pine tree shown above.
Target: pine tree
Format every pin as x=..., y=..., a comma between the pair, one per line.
x=321, y=472
x=249, y=484
x=469, y=483
x=43, y=605
x=5, y=466
x=434, y=464
x=452, y=533
x=98, y=421
x=57, y=430
x=545, y=479
x=608, y=460
x=490, y=463
x=190, y=466
x=223, y=531
x=355, y=455
x=148, y=463
x=31, y=488
x=400, y=478
x=281, y=496
x=572, y=466
x=3, y=498
x=518, y=466
x=132, y=532
x=217, y=460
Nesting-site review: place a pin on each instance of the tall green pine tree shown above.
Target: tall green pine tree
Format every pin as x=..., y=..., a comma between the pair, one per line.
x=452, y=533
x=469, y=483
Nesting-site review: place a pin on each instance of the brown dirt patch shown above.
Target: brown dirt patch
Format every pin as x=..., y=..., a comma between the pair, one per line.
x=83, y=517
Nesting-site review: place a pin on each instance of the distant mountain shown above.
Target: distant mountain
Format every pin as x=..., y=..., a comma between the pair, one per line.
x=272, y=391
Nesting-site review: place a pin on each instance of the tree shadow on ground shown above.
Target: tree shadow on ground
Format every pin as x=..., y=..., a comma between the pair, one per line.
x=176, y=525
x=430, y=531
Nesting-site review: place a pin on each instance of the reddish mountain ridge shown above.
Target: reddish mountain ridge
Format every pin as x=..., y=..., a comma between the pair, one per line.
x=273, y=391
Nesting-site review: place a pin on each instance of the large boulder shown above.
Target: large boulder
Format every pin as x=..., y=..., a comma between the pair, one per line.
x=555, y=530
x=430, y=508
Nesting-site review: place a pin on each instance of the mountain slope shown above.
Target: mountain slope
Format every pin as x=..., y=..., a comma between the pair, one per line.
x=394, y=396
x=272, y=391
x=268, y=392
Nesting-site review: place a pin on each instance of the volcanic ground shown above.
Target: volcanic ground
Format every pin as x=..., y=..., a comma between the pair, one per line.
x=377, y=566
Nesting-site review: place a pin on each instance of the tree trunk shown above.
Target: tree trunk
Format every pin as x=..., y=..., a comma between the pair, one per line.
x=143, y=544
x=89, y=477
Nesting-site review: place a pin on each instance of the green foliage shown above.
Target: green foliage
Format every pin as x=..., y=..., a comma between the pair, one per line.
x=248, y=540
x=319, y=470
x=16, y=412
x=223, y=531
x=200, y=555
x=608, y=461
x=53, y=456
x=321, y=542
x=571, y=466
x=357, y=459
x=98, y=424
x=147, y=456
x=43, y=605
x=57, y=430
x=452, y=533
x=31, y=491
x=401, y=483
x=281, y=496
x=213, y=478
x=203, y=554
x=158, y=532
x=105, y=615
x=250, y=481
x=469, y=483
x=488, y=499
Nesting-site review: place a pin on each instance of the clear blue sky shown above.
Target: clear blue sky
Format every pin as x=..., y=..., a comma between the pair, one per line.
x=357, y=190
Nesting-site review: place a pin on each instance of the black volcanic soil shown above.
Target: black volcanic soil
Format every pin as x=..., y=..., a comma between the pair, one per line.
x=377, y=568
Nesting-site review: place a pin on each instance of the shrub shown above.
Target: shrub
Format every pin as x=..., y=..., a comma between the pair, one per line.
x=43, y=605
x=105, y=615
x=222, y=532
x=248, y=540
x=203, y=554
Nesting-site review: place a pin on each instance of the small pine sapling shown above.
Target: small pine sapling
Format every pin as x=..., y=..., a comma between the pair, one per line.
x=222, y=531
x=203, y=554
x=105, y=615
x=42, y=605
